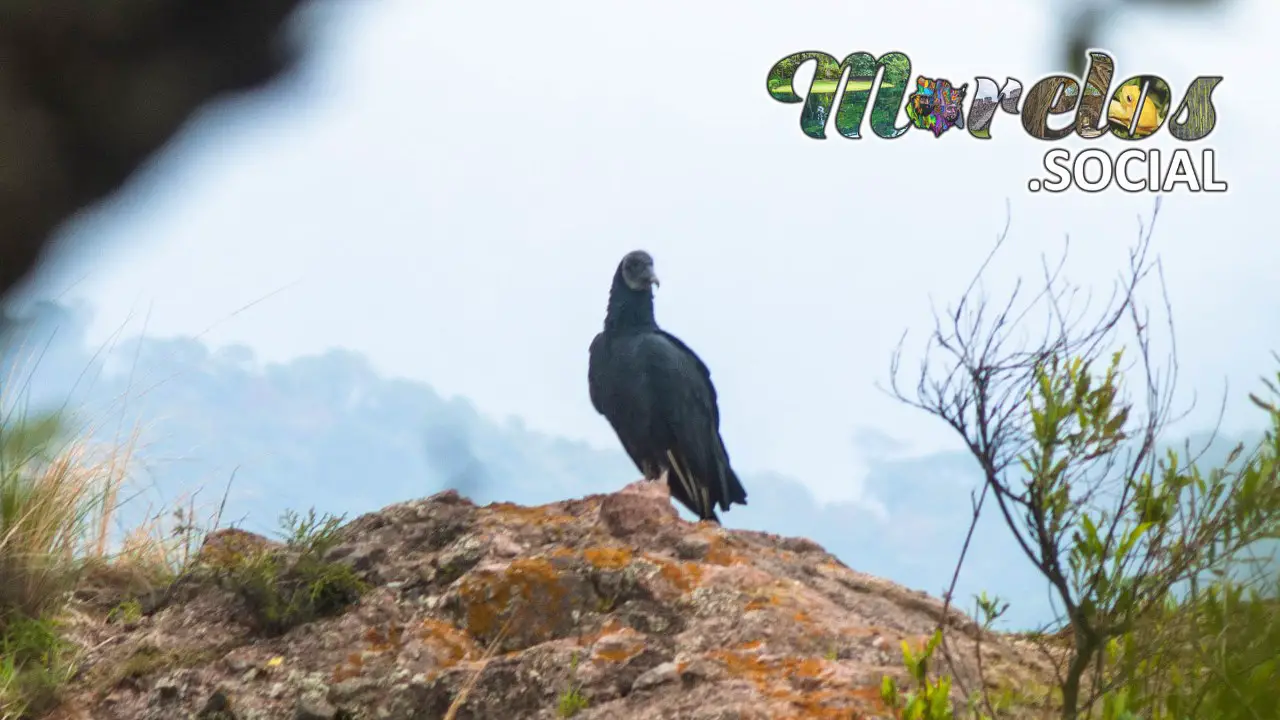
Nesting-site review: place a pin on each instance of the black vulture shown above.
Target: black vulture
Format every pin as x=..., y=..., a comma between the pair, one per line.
x=657, y=395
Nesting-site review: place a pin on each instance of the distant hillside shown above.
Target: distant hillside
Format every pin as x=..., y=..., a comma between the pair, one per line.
x=329, y=431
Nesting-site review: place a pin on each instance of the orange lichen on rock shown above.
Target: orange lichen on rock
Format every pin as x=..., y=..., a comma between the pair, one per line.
x=611, y=590
x=800, y=682
x=529, y=593
x=512, y=509
x=607, y=558
x=870, y=694
x=806, y=667
x=719, y=553
x=452, y=645
x=683, y=576
x=616, y=654
x=743, y=662
x=781, y=597
x=822, y=705
x=611, y=625
x=618, y=646
x=351, y=666
x=379, y=641
x=761, y=601
x=536, y=514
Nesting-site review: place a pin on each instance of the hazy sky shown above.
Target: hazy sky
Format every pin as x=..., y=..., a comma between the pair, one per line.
x=447, y=187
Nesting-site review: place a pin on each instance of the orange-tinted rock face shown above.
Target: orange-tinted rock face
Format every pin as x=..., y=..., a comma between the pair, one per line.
x=614, y=596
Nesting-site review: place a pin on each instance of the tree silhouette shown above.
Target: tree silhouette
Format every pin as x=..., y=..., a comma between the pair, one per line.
x=1084, y=22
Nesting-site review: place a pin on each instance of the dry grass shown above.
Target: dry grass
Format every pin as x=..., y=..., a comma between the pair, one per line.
x=54, y=515
x=56, y=506
x=61, y=529
x=462, y=696
x=59, y=502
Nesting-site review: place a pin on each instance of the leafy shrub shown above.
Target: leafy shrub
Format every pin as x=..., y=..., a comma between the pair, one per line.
x=35, y=663
x=931, y=700
x=1141, y=548
x=283, y=587
x=55, y=503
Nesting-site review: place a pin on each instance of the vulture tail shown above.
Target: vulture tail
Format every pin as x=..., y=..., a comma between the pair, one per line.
x=731, y=490
x=695, y=494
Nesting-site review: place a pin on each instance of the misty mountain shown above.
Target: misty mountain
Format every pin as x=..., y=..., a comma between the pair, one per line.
x=330, y=432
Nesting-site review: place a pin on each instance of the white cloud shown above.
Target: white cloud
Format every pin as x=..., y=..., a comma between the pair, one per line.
x=449, y=186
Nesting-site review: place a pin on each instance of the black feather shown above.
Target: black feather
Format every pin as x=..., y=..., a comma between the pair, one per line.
x=658, y=396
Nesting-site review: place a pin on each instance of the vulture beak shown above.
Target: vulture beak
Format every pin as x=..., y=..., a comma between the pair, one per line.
x=653, y=280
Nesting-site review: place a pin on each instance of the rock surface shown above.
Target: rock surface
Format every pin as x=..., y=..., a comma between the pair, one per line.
x=614, y=596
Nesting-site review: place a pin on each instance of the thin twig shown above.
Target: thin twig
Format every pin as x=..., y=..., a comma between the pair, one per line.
x=461, y=698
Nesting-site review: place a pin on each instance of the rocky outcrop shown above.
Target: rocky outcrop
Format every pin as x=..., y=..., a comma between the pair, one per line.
x=606, y=607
